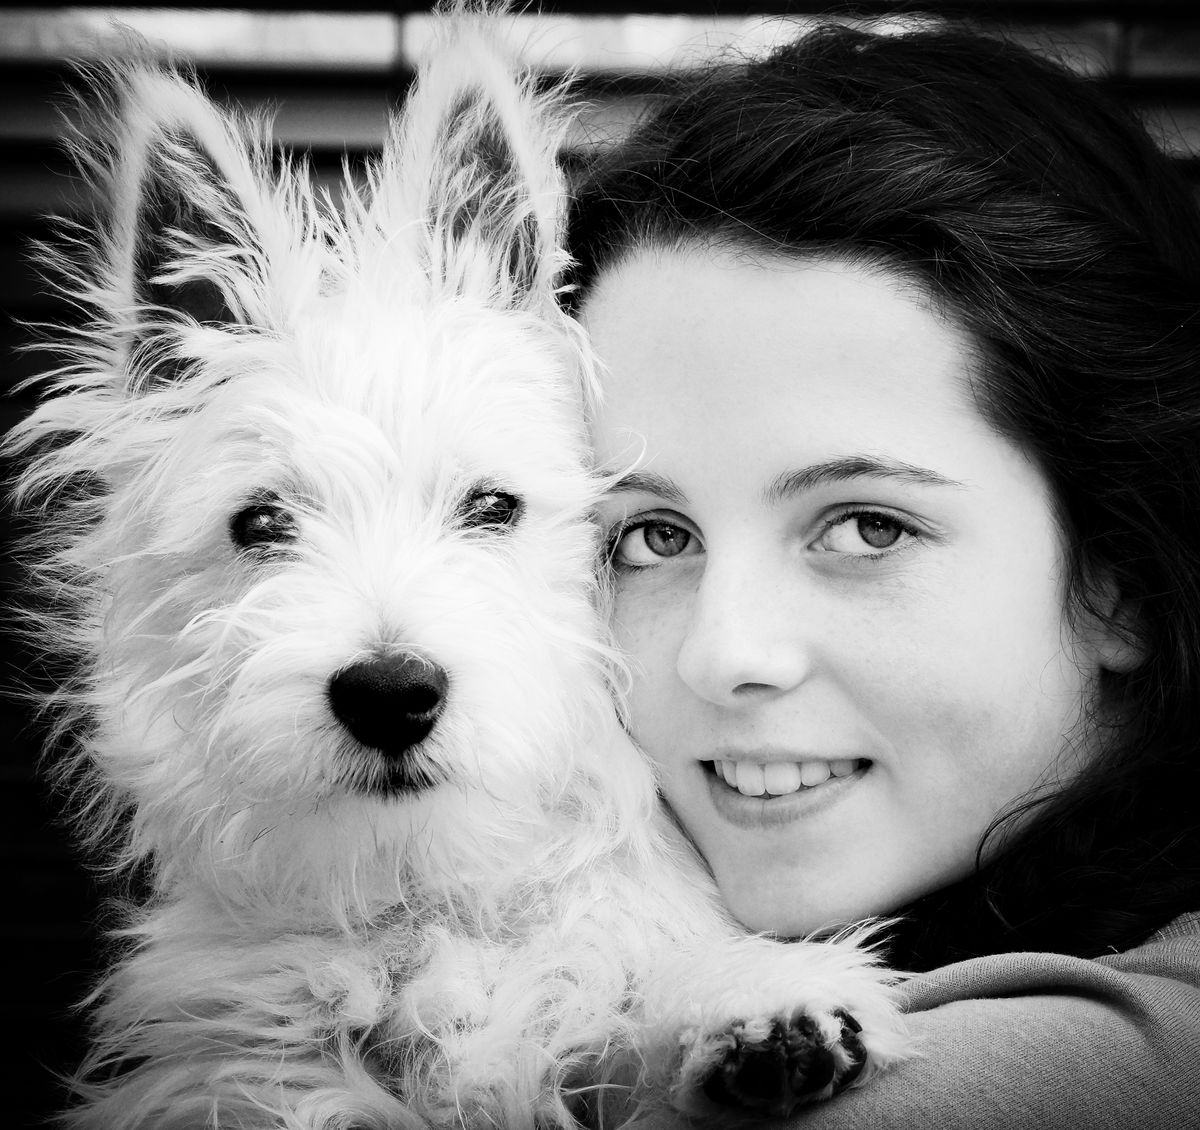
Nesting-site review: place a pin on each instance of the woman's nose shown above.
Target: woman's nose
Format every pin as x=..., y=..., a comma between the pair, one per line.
x=740, y=642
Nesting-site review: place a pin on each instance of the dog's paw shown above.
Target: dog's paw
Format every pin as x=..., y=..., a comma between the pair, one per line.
x=772, y=1066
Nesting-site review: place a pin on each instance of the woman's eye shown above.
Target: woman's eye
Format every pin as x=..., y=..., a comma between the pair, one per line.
x=864, y=533
x=263, y=525
x=650, y=543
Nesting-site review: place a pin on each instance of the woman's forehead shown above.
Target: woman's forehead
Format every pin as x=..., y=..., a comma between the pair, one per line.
x=679, y=323
x=805, y=374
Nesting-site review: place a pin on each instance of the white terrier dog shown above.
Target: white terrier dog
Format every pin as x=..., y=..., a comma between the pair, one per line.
x=315, y=497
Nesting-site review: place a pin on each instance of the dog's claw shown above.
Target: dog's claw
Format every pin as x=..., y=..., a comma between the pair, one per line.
x=792, y=1066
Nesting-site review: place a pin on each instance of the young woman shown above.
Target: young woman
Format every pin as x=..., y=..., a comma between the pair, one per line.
x=902, y=349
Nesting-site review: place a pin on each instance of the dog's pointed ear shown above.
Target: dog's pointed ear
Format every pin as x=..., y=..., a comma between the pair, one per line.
x=177, y=181
x=478, y=150
x=168, y=221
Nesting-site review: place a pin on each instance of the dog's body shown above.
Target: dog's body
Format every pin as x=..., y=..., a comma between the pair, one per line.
x=317, y=535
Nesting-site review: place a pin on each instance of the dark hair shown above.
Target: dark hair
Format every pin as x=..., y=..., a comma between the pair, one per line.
x=1046, y=221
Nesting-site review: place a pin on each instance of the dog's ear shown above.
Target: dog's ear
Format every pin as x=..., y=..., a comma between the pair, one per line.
x=177, y=182
x=476, y=153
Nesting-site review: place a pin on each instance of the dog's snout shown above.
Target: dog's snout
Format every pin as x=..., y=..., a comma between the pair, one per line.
x=390, y=702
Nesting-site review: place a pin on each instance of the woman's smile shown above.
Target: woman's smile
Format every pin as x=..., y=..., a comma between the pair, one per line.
x=771, y=794
x=780, y=778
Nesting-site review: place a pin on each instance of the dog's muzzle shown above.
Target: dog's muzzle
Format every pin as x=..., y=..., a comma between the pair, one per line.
x=389, y=702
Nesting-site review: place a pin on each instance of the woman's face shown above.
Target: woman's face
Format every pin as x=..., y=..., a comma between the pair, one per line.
x=841, y=591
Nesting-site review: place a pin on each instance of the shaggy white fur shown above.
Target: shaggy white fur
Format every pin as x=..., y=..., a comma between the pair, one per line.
x=315, y=499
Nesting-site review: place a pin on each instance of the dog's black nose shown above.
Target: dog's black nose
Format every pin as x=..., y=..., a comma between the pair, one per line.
x=390, y=702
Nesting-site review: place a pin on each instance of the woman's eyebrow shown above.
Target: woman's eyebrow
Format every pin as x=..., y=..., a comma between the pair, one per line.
x=794, y=482
x=647, y=482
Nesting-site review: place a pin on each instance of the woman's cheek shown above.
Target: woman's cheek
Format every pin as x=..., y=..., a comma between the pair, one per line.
x=649, y=622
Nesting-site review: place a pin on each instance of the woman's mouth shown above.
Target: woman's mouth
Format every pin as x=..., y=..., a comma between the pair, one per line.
x=781, y=778
x=766, y=795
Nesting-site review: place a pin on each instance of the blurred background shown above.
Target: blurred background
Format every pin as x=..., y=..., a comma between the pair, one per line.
x=331, y=76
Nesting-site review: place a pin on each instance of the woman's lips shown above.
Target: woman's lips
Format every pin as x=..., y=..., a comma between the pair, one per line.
x=748, y=803
x=779, y=778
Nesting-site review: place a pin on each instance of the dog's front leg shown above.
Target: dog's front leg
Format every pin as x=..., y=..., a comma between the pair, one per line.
x=751, y=1023
x=210, y=1024
x=485, y=1033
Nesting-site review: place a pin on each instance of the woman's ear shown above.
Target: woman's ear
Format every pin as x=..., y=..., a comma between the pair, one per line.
x=1113, y=631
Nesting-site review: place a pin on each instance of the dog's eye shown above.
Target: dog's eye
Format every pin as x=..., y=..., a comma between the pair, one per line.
x=489, y=509
x=263, y=524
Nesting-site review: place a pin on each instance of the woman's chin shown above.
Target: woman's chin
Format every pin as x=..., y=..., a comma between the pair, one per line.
x=788, y=907
x=764, y=912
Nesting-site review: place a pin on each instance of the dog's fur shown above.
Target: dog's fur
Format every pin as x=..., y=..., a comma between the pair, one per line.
x=300, y=448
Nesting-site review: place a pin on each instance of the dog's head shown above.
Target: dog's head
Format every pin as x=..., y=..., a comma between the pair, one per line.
x=330, y=575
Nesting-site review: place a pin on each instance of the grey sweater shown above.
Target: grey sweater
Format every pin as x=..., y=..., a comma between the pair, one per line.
x=1046, y=1042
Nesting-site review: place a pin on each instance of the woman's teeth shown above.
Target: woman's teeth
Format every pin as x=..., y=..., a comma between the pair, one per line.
x=778, y=778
